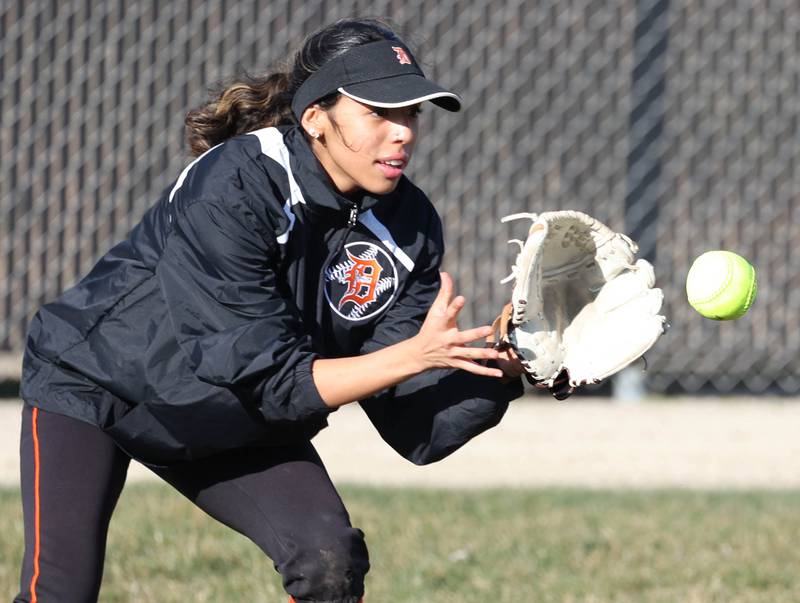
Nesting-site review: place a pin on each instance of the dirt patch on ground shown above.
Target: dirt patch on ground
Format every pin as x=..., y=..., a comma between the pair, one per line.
x=686, y=442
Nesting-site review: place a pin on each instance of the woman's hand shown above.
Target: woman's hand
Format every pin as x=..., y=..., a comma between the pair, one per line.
x=439, y=343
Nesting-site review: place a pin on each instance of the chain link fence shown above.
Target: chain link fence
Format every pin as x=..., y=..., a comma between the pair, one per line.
x=675, y=121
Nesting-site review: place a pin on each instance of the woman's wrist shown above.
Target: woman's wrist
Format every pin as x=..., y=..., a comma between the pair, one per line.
x=344, y=380
x=411, y=351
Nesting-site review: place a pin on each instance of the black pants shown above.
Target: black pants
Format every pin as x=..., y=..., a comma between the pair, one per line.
x=281, y=498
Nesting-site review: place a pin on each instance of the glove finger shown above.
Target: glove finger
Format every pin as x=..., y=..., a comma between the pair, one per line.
x=511, y=369
x=561, y=394
x=561, y=389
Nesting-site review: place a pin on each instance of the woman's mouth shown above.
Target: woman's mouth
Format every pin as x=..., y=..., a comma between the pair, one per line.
x=391, y=168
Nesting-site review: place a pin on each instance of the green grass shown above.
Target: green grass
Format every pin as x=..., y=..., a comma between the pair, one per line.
x=470, y=546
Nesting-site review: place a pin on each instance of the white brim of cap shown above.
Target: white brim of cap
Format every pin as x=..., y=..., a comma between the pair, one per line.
x=413, y=101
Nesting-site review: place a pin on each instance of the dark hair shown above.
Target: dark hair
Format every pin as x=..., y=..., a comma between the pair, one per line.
x=251, y=102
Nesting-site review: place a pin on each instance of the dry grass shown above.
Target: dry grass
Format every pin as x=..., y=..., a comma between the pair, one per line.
x=476, y=546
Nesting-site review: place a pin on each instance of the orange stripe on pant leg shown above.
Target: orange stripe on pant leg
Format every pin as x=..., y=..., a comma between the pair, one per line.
x=36, y=503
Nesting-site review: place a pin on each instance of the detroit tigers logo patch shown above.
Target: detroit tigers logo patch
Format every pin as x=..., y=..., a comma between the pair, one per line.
x=402, y=55
x=361, y=281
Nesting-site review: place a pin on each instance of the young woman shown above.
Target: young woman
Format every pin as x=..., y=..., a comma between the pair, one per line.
x=290, y=269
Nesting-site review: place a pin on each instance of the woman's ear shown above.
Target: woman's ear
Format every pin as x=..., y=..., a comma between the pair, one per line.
x=313, y=121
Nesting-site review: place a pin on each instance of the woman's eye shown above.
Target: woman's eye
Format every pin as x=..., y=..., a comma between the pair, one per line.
x=383, y=112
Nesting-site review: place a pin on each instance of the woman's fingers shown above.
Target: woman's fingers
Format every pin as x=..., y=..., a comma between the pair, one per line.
x=475, y=353
x=478, y=333
x=442, y=301
x=455, y=307
x=449, y=346
x=478, y=369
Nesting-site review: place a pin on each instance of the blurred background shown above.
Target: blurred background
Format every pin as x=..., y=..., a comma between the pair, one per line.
x=675, y=121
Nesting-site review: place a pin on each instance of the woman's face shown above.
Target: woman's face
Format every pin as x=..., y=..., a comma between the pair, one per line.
x=364, y=147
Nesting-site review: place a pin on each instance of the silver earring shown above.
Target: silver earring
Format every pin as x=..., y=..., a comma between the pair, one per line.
x=314, y=134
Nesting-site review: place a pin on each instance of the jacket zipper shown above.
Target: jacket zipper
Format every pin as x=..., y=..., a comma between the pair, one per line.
x=352, y=220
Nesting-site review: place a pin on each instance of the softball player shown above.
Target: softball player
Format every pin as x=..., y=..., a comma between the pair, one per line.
x=290, y=269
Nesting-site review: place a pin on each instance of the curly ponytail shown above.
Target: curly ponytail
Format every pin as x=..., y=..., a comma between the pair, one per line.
x=253, y=102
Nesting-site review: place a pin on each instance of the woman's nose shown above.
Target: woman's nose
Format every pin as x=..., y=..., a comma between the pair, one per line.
x=404, y=130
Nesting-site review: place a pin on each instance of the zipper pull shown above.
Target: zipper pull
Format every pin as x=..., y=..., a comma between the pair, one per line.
x=353, y=218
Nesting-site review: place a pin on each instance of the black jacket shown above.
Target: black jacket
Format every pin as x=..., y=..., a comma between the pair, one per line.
x=197, y=333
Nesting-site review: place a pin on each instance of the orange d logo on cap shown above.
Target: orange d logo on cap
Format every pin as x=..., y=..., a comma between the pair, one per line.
x=402, y=55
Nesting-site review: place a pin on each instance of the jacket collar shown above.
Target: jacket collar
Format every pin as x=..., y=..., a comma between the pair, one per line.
x=318, y=190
